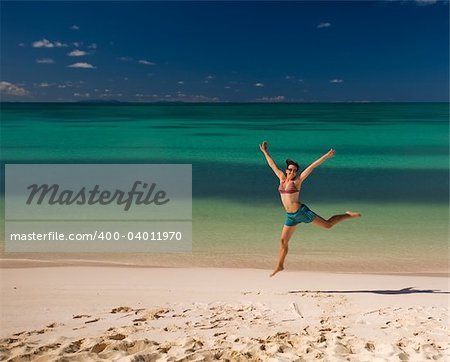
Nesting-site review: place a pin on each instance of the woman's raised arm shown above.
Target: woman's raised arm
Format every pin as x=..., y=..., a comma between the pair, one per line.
x=316, y=163
x=273, y=166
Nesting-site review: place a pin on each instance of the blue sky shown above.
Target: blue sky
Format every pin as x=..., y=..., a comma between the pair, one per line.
x=293, y=51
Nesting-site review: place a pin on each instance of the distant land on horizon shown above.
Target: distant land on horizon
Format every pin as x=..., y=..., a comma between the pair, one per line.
x=117, y=102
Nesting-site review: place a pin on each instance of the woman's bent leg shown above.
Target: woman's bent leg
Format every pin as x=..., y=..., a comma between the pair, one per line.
x=327, y=224
x=286, y=235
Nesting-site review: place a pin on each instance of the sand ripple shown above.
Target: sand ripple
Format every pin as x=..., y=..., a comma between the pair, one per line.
x=332, y=331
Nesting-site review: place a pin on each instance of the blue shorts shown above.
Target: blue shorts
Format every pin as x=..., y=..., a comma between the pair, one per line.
x=303, y=214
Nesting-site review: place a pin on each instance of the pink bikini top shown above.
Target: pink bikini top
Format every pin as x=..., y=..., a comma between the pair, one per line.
x=289, y=190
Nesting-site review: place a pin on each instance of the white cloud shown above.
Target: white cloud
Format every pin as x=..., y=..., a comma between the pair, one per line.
x=77, y=53
x=21, y=44
x=67, y=84
x=12, y=89
x=145, y=62
x=259, y=85
x=179, y=97
x=181, y=82
x=81, y=65
x=426, y=2
x=418, y=2
x=111, y=95
x=125, y=59
x=83, y=95
x=45, y=61
x=336, y=81
x=323, y=25
x=208, y=78
x=92, y=46
x=193, y=98
x=75, y=27
x=43, y=85
x=293, y=78
x=272, y=99
x=70, y=84
x=44, y=43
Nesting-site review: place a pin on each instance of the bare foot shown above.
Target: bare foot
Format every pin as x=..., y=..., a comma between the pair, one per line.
x=353, y=214
x=278, y=269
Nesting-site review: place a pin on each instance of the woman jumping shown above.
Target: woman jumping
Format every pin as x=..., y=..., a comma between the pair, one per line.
x=296, y=212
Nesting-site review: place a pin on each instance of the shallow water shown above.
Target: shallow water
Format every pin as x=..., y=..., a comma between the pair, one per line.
x=391, y=164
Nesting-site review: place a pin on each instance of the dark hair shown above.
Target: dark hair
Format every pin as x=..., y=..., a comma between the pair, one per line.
x=290, y=162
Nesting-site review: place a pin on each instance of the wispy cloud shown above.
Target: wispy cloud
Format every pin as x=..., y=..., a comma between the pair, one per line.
x=44, y=43
x=81, y=65
x=125, y=59
x=426, y=2
x=70, y=84
x=334, y=81
x=208, y=79
x=92, y=46
x=43, y=85
x=82, y=95
x=45, y=61
x=77, y=53
x=145, y=62
x=272, y=99
x=418, y=2
x=111, y=95
x=75, y=27
x=181, y=82
x=21, y=45
x=12, y=89
x=323, y=25
x=293, y=78
x=179, y=97
x=259, y=84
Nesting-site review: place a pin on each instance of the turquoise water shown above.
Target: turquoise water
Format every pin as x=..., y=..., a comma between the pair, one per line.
x=391, y=163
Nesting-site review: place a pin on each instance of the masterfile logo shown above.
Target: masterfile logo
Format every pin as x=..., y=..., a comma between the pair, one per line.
x=98, y=208
x=140, y=193
x=100, y=192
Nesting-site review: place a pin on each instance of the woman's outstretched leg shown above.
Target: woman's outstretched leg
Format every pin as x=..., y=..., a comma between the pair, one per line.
x=327, y=224
x=286, y=235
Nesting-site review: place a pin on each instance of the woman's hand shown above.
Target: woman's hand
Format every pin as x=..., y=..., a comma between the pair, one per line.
x=330, y=153
x=263, y=146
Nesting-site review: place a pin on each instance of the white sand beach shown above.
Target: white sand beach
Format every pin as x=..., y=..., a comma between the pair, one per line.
x=91, y=313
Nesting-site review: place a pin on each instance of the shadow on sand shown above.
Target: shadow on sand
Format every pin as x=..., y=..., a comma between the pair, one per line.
x=409, y=290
